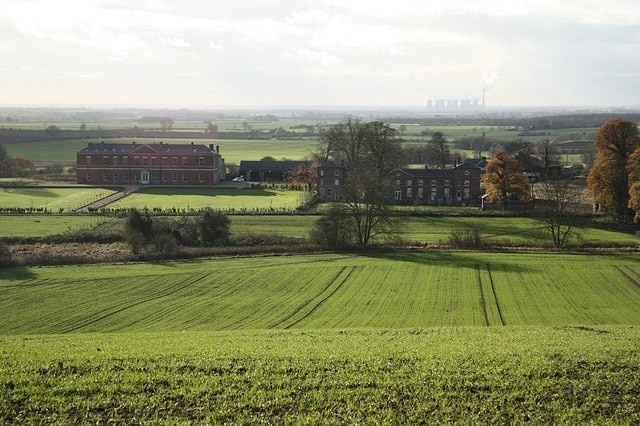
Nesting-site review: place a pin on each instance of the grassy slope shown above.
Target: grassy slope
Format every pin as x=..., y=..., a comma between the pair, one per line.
x=324, y=291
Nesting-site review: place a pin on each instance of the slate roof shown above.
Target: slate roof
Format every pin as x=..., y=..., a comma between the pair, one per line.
x=272, y=166
x=429, y=173
x=160, y=148
x=473, y=162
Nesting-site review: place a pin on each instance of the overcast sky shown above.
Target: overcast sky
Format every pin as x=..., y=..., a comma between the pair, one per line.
x=319, y=52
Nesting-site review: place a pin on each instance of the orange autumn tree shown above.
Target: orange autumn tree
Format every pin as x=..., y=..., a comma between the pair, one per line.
x=633, y=165
x=609, y=179
x=504, y=179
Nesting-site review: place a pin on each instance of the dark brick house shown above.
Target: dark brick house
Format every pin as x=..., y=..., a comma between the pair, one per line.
x=149, y=164
x=456, y=186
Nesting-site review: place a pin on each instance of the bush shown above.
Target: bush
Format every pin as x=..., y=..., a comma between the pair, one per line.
x=136, y=240
x=213, y=228
x=334, y=229
x=164, y=244
x=5, y=255
x=466, y=239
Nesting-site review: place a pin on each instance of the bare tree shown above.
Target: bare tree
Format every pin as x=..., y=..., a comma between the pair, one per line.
x=438, y=153
x=547, y=151
x=562, y=201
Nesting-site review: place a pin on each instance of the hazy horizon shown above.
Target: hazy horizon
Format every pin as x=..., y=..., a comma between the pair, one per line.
x=319, y=53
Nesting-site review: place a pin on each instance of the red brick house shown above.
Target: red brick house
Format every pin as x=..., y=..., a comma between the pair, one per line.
x=149, y=164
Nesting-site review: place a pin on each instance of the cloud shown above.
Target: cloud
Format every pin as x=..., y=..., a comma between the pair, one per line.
x=174, y=42
x=321, y=58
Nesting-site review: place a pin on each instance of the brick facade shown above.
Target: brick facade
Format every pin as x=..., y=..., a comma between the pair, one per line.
x=149, y=164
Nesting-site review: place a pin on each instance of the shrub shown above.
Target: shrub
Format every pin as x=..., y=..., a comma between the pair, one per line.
x=334, y=229
x=5, y=255
x=164, y=244
x=136, y=240
x=466, y=239
x=213, y=228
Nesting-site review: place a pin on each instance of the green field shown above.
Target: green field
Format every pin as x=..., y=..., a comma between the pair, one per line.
x=217, y=198
x=422, y=289
x=52, y=199
x=469, y=375
x=232, y=150
x=427, y=229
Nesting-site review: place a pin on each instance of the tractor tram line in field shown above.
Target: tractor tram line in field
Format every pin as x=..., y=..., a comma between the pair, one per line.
x=629, y=278
x=495, y=296
x=114, y=310
x=324, y=299
x=483, y=302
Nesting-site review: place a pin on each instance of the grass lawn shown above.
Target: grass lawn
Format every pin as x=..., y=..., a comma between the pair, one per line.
x=217, y=198
x=51, y=198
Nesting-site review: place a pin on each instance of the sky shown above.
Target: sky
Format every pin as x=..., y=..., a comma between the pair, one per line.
x=236, y=53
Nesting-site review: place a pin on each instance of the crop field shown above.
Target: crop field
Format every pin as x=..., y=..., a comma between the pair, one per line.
x=403, y=290
x=217, y=198
x=232, y=150
x=486, y=375
x=53, y=199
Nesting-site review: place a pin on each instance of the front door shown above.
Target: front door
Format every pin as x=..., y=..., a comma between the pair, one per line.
x=144, y=177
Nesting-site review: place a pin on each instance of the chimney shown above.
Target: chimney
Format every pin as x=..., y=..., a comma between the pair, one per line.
x=218, y=149
x=211, y=146
x=191, y=142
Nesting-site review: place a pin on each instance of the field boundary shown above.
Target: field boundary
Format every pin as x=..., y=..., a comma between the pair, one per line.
x=628, y=277
x=107, y=200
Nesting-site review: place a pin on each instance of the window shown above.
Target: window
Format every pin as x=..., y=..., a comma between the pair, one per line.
x=125, y=177
x=88, y=177
x=336, y=172
x=433, y=194
x=153, y=161
x=329, y=192
x=200, y=178
x=466, y=193
x=466, y=172
x=337, y=182
x=115, y=177
x=446, y=193
x=420, y=192
x=136, y=160
x=446, y=182
x=125, y=160
x=164, y=161
x=409, y=192
x=184, y=178
x=409, y=182
x=398, y=194
x=397, y=181
x=164, y=177
x=466, y=183
x=105, y=160
x=105, y=178
x=174, y=177
x=420, y=182
x=321, y=182
x=185, y=161
x=115, y=160
x=321, y=172
x=201, y=162
x=433, y=182
x=88, y=160
x=144, y=161
x=175, y=161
